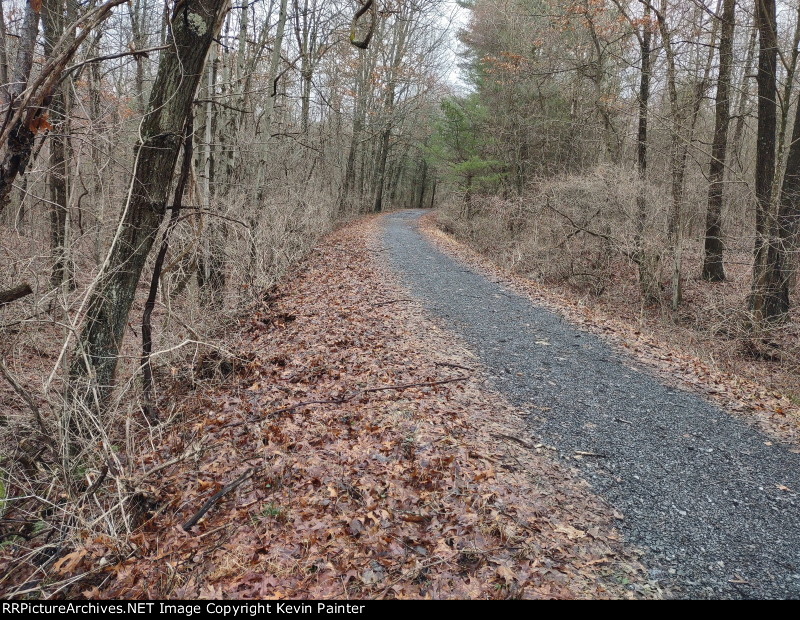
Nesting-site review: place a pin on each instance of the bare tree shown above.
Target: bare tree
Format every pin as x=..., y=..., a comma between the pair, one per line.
x=193, y=26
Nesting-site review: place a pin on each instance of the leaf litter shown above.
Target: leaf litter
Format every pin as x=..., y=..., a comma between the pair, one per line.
x=359, y=454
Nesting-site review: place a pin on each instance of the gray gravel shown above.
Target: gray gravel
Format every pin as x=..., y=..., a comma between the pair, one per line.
x=698, y=488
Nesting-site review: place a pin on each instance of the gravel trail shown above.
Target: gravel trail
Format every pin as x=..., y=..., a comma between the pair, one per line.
x=699, y=490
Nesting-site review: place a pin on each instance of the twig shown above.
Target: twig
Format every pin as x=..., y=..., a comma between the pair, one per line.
x=345, y=399
x=521, y=442
x=216, y=497
x=96, y=484
x=334, y=401
x=181, y=457
x=452, y=365
x=393, y=301
x=406, y=386
x=135, y=53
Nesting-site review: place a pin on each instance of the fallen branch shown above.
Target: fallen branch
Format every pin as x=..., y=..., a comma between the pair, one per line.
x=393, y=301
x=452, y=365
x=13, y=294
x=521, y=442
x=345, y=399
x=216, y=497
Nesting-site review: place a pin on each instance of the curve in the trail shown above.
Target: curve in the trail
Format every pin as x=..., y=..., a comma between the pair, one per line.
x=700, y=491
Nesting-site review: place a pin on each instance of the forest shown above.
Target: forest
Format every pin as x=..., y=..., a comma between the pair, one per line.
x=205, y=300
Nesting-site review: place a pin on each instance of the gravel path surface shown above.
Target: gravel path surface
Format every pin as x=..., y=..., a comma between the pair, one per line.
x=699, y=489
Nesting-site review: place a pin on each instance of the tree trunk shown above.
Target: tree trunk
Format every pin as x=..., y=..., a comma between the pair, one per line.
x=53, y=18
x=275, y=63
x=741, y=107
x=784, y=237
x=13, y=294
x=676, y=162
x=645, y=272
x=783, y=232
x=765, y=153
x=398, y=51
x=713, y=268
x=15, y=155
x=3, y=59
x=785, y=101
x=195, y=23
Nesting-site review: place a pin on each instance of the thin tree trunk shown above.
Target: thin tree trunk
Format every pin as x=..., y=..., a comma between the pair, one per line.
x=765, y=153
x=148, y=385
x=53, y=18
x=398, y=51
x=645, y=41
x=713, y=268
x=3, y=59
x=741, y=106
x=784, y=238
x=274, y=67
x=785, y=104
x=676, y=160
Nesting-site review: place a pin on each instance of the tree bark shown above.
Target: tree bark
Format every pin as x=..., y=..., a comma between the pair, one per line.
x=398, y=52
x=13, y=294
x=3, y=59
x=53, y=18
x=645, y=43
x=676, y=161
x=713, y=268
x=148, y=385
x=765, y=154
x=20, y=143
x=784, y=237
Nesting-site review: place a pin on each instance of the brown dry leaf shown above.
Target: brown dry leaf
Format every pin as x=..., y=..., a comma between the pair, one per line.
x=571, y=532
x=67, y=564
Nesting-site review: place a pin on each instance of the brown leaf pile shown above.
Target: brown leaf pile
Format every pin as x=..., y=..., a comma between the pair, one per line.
x=659, y=349
x=395, y=485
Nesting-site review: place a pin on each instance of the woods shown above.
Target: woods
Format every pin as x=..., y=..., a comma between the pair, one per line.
x=661, y=133
x=167, y=167
x=162, y=165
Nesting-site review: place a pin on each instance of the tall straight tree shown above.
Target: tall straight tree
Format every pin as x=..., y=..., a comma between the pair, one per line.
x=56, y=15
x=713, y=268
x=784, y=235
x=765, y=152
x=194, y=24
x=645, y=45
